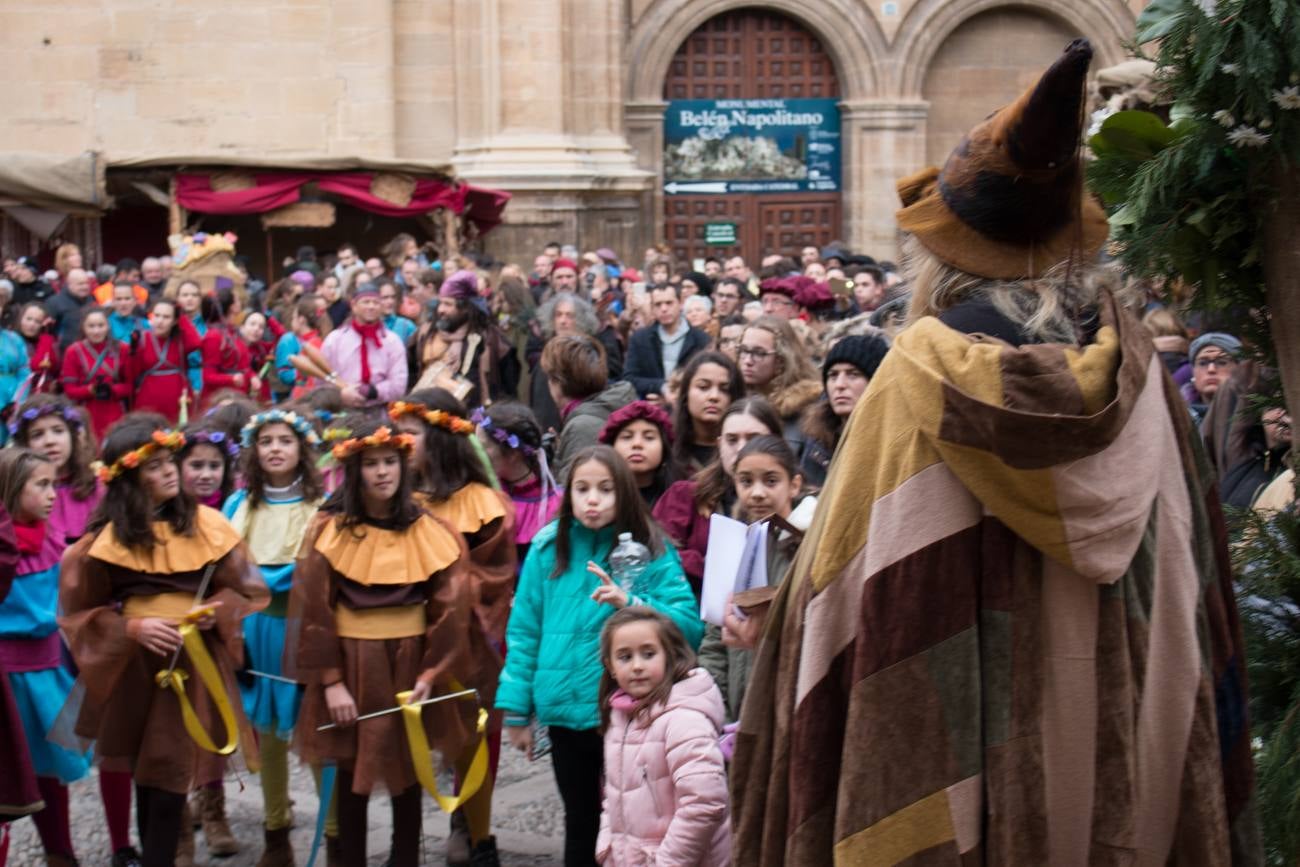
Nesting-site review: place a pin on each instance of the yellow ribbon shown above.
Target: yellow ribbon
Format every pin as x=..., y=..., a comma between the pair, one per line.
x=420, y=751
x=207, y=671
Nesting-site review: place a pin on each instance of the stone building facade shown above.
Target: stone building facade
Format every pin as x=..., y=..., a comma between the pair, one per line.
x=560, y=102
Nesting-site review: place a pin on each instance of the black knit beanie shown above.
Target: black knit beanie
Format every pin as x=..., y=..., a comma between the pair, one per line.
x=863, y=351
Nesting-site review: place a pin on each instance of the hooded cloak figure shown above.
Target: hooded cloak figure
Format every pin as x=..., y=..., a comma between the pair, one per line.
x=1009, y=636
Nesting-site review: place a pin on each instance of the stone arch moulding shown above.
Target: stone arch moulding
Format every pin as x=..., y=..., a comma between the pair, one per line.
x=844, y=28
x=1107, y=24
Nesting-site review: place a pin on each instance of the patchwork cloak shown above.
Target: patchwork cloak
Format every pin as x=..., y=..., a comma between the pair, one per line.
x=1010, y=636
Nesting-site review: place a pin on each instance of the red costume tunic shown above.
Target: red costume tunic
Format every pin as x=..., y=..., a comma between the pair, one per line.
x=224, y=355
x=157, y=370
x=43, y=359
x=86, y=365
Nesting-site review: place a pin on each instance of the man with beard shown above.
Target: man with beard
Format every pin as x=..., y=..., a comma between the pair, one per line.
x=462, y=350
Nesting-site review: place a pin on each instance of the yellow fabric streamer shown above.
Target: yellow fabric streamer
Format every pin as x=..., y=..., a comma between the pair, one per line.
x=211, y=678
x=420, y=751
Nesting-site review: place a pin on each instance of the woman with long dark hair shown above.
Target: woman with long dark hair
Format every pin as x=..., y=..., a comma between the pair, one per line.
x=153, y=595
x=710, y=382
x=381, y=605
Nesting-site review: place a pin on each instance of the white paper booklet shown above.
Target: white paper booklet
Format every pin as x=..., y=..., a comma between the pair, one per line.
x=737, y=560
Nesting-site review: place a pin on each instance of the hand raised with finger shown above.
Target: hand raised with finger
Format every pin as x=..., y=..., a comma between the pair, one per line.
x=608, y=593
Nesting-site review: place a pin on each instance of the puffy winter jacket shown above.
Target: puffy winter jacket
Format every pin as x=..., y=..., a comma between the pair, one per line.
x=553, y=668
x=666, y=784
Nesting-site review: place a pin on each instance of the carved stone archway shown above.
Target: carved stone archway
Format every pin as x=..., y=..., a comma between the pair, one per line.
x=850, y=36
x=1107, y=24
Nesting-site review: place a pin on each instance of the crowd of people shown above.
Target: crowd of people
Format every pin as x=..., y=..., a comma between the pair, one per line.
x=243, y=522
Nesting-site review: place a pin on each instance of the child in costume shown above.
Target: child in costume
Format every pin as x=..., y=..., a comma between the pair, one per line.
x=51, y=425
x=157, y=578
x=207, y=467
x=15, y=370
x=554, y=667
x=207, y=463
x=189, y=303
x=226, y=360
x=94, y=372
x=157, y=367
x=381, y=604
x=303, y=315
x=665, y=778
x=512, y=439
x=42, y=350
x=282, y=490
x=30, y=646
x=19, y=793
x=454, y=483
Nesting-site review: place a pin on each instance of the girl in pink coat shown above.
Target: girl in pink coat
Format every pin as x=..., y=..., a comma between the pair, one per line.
x=665, y=782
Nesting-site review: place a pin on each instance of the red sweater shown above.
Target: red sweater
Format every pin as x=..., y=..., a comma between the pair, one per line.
x=157, y=369
x=224, y=356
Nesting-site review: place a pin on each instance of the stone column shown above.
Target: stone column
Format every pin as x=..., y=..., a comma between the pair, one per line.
x=884, y=140
x=541, y=116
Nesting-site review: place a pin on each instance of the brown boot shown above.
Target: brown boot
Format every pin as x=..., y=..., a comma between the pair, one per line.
x=185, y=843
x=278, y=851
x=211, y=805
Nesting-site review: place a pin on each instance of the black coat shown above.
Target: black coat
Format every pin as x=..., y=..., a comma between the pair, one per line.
x=644, y=365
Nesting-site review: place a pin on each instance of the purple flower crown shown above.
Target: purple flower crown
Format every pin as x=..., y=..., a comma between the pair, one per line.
x=68, y=413
x=217, y=439
x=501, y=435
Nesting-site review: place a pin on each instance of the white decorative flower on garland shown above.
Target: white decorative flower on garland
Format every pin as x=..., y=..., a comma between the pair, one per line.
x=1224, y=118
x=1248, y=136
x=1288, y=98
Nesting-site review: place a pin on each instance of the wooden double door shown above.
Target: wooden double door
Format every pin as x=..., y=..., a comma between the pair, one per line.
x=751, y=54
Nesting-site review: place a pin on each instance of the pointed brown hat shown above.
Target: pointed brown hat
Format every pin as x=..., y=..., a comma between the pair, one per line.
x=1010, y=203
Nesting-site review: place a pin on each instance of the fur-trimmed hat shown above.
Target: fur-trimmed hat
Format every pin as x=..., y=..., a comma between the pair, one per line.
x=1010, y=203
x=637, y=410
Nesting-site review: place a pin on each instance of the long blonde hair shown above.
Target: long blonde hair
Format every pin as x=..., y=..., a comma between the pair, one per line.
x=1044, y=309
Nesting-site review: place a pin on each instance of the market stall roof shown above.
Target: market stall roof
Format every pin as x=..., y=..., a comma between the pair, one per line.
x=40, y=189
x=61, y=184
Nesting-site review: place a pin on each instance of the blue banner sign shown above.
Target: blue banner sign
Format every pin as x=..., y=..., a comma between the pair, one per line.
x=752, y=146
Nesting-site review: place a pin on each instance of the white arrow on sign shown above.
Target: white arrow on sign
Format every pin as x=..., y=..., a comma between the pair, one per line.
x=673, y=187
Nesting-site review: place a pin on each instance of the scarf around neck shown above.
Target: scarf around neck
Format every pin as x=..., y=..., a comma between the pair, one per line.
x=368, y=332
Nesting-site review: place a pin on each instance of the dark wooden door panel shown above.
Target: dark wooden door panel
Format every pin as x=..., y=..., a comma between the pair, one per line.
x=751, y=54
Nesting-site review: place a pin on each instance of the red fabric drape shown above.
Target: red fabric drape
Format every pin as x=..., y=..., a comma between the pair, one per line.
x=273, y=190
x=429, y=195
x=276, y=189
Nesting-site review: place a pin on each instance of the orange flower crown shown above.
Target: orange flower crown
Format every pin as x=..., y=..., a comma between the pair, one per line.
x=436, y=417
x=173, y=440
x=382, y=438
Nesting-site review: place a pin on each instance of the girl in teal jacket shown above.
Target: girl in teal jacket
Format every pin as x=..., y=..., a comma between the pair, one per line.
x=564, y=596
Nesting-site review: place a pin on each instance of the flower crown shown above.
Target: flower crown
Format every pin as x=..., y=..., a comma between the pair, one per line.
x=215, y=438
x=435, y=417
x=500, y=434
x=300, y=425
x=69, y=414
x=172, y=440
x=384, y=437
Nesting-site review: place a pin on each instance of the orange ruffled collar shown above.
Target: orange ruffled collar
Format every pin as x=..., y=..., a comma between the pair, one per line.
x=372, y=555
x=212, y=539
x=469, y=509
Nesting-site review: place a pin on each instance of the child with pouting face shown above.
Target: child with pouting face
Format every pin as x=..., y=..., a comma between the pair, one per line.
x=565, y=595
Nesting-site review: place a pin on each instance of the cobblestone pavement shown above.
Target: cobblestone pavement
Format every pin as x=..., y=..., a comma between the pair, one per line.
x=528, y=819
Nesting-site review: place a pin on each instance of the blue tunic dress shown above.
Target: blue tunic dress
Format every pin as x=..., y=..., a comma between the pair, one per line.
x=194, y=361
x=39, y=679
x=273, y=532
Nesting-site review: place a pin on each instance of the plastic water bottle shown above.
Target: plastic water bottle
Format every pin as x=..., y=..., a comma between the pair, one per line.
x=628, y=560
